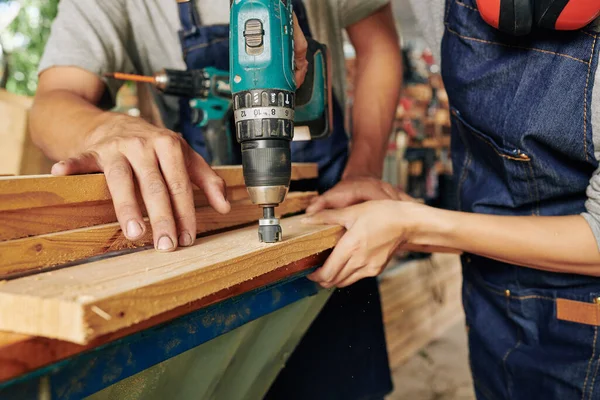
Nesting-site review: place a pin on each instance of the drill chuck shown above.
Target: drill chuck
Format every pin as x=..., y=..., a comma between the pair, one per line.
x=265, y=128
x=191, y=83
x=269, y=230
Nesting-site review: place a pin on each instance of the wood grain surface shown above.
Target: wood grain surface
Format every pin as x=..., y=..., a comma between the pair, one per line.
x=39, y=252
x=22, y=223
x=23, y=192
x=86, y=301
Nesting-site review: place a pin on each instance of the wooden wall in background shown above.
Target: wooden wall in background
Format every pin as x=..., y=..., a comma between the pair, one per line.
x=18, y=154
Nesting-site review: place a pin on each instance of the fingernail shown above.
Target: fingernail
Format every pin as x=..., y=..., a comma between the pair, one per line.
x=55, y=166
x=134, y=229
x=164, y=244
x=185, y=239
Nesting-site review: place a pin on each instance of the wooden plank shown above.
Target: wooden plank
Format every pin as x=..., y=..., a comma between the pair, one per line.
x=86, y=301
x=44, y=251
x=24, y=192
x=17, y=224
x=21, y=354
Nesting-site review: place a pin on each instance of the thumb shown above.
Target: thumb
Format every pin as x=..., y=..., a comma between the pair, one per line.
x=202, y=175
x=317, y=204
x=300, y=50
x=86, y=163
x=327, y=217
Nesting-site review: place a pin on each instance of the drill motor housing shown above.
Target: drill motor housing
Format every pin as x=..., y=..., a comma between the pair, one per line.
x=266, y=101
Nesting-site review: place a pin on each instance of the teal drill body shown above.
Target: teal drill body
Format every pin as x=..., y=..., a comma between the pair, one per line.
x=263, y=94
x=261, y=45
x=266, y=103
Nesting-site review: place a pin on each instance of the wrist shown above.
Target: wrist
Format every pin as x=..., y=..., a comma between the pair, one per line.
x=105, y=125
x=363, y=167
x=428, y=226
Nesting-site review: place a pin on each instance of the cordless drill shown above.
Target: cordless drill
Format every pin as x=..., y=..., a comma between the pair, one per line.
x=266, y=103
x=209, y=95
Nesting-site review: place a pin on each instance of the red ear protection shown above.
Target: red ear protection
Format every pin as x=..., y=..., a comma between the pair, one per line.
x=519, y=17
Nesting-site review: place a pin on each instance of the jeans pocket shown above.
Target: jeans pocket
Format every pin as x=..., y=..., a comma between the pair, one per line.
x=494, y=176
x=554, y=358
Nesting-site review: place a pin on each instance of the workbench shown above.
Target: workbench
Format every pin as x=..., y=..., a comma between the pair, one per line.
x=232, y=349
x=215, y=320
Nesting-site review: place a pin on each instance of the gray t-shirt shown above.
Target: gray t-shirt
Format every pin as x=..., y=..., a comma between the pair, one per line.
x=430, y=14
x=140, y=36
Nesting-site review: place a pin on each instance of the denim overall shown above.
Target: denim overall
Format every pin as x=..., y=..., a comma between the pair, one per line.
x=522, y=145
x=346, y=343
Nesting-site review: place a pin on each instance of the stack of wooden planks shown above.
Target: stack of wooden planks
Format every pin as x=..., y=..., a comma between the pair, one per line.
x=421, y=301
x=46, y=222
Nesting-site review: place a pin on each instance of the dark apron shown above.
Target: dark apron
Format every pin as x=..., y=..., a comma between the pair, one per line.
x=343, y=354
x=522, y=145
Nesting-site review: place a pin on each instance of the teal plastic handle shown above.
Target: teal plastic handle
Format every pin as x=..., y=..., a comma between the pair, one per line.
x=273, y=67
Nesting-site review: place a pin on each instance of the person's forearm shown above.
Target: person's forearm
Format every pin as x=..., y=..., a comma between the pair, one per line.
x=559, y=244
x=376, y=97
x=377, y=90
x=61, y=122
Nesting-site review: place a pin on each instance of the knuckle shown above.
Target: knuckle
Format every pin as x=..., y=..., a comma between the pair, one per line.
x=162, y=223
x=373, y=270
x=156, y=186
x=216, y=180
x=180, y=187
x=153, y=182
x=168, y=141
x=126, y=209
x=186, y=218
x=119, y=170
x=133, y=143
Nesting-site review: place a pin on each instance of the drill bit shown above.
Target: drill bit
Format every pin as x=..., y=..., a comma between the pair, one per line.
x=131, y=77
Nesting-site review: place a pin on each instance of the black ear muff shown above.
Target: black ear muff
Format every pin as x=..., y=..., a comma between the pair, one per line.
x=547, y=12
x=516, y=17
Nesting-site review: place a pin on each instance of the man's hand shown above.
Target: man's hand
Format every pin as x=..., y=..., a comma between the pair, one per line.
x=374, y=230
x=300, y=49
x=355, y=190
x=129, y=150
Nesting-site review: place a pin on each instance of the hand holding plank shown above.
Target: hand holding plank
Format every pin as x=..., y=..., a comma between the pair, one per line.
x=128, y=150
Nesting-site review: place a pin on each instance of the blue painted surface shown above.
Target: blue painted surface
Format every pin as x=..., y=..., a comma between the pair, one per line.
x=90, y=372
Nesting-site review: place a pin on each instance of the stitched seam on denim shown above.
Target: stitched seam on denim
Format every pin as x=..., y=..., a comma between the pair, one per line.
x=537, y=192
x=460, y=3
x=508, y=353
x=515, y=47
x=585, y=100
x=594, y=380
x=529, y=297
x=448, y=6
x=590, y=362
x=500, y=154
x=203, y=45
x=589, y=34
